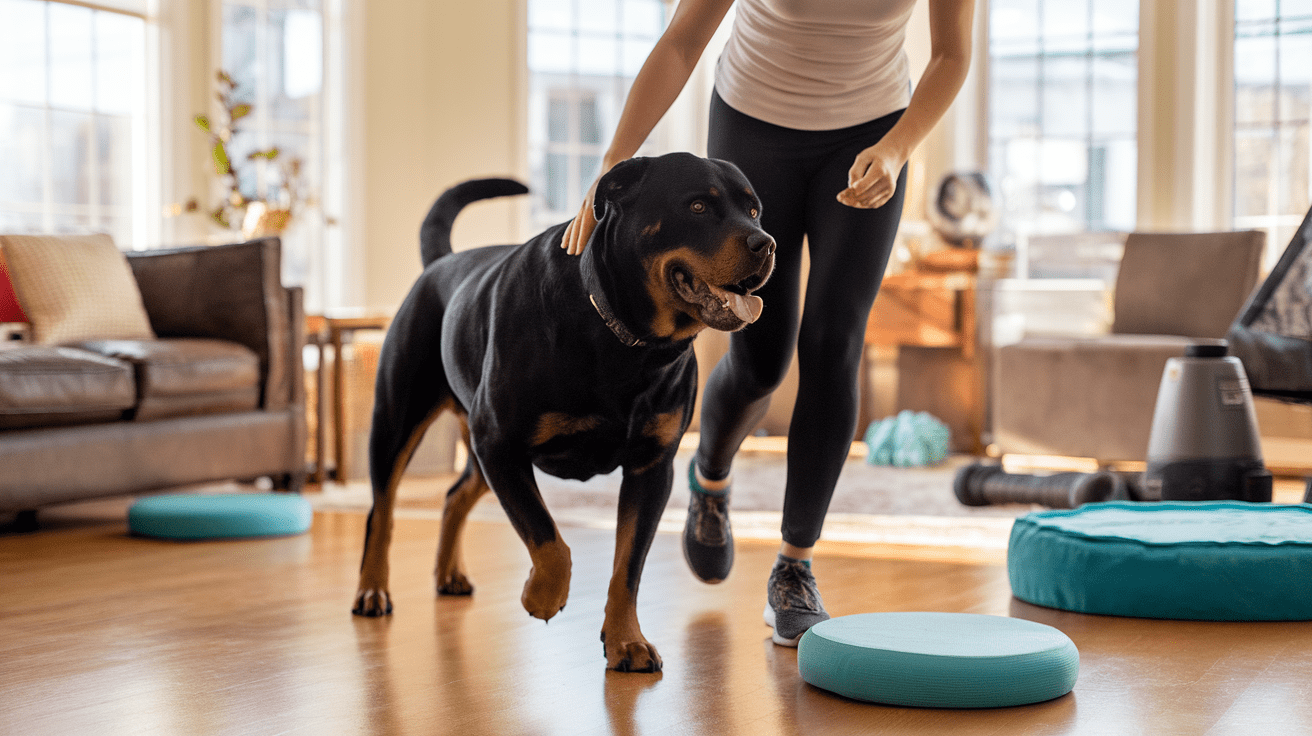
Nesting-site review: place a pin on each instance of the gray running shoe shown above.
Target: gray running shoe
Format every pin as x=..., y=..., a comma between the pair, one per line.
x=707, y=536
x=793, y=602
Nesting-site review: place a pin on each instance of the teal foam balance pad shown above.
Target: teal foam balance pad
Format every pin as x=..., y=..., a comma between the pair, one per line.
x=220, y=515
x=938, y=660
x=1203, y=561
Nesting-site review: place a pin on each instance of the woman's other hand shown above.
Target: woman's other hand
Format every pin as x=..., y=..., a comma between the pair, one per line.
x=872, y=180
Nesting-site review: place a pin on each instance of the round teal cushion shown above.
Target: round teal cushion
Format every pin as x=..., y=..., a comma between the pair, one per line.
x=1206, y=561
x=938, y=660
x=220, y=516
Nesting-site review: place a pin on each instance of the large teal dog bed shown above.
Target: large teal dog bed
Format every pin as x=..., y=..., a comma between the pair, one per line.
x=1205, y=561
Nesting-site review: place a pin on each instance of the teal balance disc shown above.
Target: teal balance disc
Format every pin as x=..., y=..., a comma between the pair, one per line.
x=938, y=660
x=220, y=515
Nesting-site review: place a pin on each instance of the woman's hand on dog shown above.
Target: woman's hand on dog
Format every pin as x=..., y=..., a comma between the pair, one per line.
x=581, y=227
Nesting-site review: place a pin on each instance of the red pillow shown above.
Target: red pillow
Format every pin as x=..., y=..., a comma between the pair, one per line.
x=10, y=311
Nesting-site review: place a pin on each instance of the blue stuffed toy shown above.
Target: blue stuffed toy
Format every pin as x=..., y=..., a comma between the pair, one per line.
x=907, y=440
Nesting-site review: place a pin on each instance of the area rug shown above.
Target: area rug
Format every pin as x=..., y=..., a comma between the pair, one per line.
x=871, y=504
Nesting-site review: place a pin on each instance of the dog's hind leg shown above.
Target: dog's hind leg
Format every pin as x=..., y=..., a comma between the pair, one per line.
x=411, y=392
x=451, y=577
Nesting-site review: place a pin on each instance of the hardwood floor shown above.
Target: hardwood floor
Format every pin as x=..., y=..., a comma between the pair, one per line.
x=104, y=633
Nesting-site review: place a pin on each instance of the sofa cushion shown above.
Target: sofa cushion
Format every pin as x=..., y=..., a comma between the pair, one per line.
x=1082, y=397
x=75, y=287
x=183, y=376
x=44, y=386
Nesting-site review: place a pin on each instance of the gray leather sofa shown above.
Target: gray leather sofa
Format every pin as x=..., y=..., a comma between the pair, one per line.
x=218, y=395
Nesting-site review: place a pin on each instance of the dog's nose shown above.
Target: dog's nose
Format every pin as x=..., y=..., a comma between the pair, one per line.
x=758, y=240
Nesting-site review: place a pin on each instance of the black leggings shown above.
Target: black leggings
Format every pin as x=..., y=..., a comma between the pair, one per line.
x=797, y=174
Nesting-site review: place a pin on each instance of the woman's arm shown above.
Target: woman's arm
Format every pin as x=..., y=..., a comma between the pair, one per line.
x=872, y=180
x=658, y=83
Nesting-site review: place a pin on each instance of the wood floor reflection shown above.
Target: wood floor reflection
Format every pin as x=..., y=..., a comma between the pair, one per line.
x=104, y=633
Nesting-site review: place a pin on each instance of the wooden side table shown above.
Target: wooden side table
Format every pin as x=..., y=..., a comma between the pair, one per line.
x=335, y=330
x=930, y=316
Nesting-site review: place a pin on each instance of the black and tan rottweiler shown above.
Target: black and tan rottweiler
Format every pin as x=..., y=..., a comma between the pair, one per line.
x=576, y=365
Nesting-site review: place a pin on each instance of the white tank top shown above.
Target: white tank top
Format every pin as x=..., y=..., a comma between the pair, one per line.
x=816, y=64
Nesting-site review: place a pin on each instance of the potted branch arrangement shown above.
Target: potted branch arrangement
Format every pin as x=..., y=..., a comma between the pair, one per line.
x=254, y=216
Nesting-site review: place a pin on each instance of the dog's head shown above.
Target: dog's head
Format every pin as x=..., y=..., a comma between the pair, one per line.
x=678, y=246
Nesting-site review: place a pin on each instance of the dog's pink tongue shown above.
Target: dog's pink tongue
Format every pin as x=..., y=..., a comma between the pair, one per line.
x=748, y=308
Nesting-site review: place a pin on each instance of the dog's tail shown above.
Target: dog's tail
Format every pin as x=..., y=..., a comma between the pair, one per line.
x=435, y=233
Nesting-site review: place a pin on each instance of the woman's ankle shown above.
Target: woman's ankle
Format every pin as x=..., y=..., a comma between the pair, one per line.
x=707, y=484
x=796, y=553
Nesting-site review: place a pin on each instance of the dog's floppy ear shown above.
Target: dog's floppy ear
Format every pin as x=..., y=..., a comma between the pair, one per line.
x=619, y=184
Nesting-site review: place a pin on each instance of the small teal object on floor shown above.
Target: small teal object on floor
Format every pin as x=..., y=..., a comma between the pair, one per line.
x=907, y=440
x=220, y=515
x=1189, y=560
x=938, y=660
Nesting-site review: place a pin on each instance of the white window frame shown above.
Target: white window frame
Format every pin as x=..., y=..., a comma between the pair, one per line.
x=145, y=157
x=328, y=283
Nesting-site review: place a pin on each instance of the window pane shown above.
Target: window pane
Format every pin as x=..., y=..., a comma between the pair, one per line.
x=1066, y=97
x=1295, y=77
x=1011, y=20
x=558, y=120
x=1014, y=97
x=1065, y=25
x=599, y=56
x=1251, y=10
x=1115, y=95
x=1254, y=155
x=1255, y=76
x=550, y=16
x=119, y=68
x=1294, y=160
x=71, y=139
x=550, y=52
x=1116, y=17
x=1296, y=8
x=589, y=122
x=23, y=51
x=22, y=145
x=114, y=161
x=597, y=16
x=70, y=57
x=241, y=58
x=557, y=182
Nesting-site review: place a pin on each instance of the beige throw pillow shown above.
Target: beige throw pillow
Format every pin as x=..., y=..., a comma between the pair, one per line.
x=75, y=287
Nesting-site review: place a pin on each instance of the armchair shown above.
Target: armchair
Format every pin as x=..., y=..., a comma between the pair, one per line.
x=1094, y=397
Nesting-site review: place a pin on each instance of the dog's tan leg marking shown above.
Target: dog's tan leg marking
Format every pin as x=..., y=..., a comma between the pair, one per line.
x=667, y=430
x=372, y=597
x=547, y=586
x=451, y=577
x=627, y=650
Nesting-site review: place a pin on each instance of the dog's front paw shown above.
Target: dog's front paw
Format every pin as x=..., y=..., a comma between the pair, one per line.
x=455, y=584
x=631, y=656
x=372, y=602
x=545, y=594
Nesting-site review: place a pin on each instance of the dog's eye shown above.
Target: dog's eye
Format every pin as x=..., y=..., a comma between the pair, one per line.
x=698, y=207
x=755, y=212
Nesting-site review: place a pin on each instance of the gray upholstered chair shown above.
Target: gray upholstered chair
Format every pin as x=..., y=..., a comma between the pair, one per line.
x=1094, y=396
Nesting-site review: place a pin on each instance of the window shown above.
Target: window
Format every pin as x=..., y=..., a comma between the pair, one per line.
x=1272, y=110
x=582, y=57
x=274, y=51
x=72, y=130
x=1063, y=93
